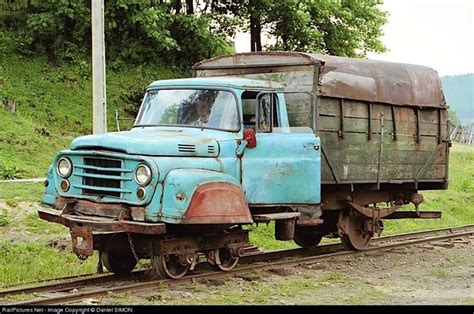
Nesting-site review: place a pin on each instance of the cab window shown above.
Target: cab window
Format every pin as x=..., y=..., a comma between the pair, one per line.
x=267, y=109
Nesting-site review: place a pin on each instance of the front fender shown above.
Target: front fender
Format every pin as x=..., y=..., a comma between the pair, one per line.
x=50, y=193
x=197, y=196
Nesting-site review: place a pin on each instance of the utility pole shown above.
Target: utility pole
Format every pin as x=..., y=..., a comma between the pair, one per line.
x=99, y=110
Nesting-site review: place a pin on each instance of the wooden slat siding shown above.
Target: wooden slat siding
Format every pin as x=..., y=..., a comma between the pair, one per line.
x=360, y=125
x=402, y=159
x=358, y=109
x=356, y=118
x=347, y=172
x=299, y=110
x=368, y=173
x=348, y=156
x=357, y=141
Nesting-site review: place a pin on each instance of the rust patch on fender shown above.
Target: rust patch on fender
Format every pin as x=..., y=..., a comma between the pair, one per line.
x=217, y=203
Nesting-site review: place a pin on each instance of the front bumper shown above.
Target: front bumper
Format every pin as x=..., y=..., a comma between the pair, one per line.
x=101, y=224
x=82, y=228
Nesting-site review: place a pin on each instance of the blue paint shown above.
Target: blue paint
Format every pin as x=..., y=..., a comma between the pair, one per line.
x=185, y=182
x=50, y=192
x=151, y=142
x=284, y=168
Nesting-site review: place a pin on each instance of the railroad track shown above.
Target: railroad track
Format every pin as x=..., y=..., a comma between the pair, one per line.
x=73, y=289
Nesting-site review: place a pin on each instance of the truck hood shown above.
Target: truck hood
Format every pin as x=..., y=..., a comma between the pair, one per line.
x=151, y=142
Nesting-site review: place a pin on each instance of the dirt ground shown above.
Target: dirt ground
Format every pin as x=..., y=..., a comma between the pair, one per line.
x=437, y=273
x=25, y=226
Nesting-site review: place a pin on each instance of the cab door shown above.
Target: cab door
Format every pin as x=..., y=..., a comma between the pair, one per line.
x=284, y=167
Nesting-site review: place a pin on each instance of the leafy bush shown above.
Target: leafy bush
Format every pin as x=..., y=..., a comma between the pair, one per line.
x=136, y=31
x=8, y=173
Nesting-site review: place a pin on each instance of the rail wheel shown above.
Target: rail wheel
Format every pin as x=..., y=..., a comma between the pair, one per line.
x=306, y=237
x=355, y=236
x=117, y=262
x=224, y=260
x=170, y=266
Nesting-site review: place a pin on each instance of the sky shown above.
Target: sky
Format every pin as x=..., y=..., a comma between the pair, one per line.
x=434, y=33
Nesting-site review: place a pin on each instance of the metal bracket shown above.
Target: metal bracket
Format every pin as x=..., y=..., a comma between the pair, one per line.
x=374, y=212
x=82, y=242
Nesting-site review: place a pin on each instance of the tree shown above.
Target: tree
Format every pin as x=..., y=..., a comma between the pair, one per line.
x=137, y=31
x=181, y=32
x=345, y=27
x=453, y=117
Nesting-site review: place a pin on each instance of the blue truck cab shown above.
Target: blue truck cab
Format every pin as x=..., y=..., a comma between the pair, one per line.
x=205, y=156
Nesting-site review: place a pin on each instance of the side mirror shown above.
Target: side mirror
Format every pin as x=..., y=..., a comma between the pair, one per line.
x=249, y=136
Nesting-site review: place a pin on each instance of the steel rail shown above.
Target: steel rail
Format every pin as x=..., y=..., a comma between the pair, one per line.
x=72, y=282
x=457, y=232
x=61, y=282
x=339, y=246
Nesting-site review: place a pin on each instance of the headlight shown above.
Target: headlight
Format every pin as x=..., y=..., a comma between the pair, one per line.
x=64, y=167
x=143, y=174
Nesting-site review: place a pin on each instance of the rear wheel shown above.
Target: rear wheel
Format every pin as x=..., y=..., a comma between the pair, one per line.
x=307, y=237
x=170, y=266
x=118, y=262
x=225, y=259
x=356, y=237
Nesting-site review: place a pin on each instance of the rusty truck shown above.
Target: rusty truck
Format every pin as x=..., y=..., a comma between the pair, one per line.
x=322, y=145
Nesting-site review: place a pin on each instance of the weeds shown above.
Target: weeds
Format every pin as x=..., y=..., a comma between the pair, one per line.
x=24, y=262
x=4, y=221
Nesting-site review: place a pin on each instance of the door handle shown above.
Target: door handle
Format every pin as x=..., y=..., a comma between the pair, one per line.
x=312, y=145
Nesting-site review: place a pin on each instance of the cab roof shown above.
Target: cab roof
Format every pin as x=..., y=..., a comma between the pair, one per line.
x=216, y=81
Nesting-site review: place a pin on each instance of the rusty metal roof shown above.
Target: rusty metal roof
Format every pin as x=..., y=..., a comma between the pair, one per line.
x=350, y=78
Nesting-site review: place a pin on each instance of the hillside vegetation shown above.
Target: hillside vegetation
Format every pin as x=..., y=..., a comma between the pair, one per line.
x=45, y=52
x=45, y=107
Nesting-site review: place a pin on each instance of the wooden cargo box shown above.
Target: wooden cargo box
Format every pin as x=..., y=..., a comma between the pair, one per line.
x=383, y=126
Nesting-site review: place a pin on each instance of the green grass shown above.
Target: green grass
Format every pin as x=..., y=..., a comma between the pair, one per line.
x=36, y=225
x=441, y=273
x=21, y=192
x=295, y=289
x=25, y=262
x=368, y=296
x=4, y=221
x=263, y=236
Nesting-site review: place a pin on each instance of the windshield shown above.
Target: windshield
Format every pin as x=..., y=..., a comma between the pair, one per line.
x=204, y=108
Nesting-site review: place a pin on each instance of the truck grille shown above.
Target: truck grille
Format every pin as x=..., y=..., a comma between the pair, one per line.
x=103, y=164
x=102, y=176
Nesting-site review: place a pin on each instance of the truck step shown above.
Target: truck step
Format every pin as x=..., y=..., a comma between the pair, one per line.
x=275, y=216
x=414, y=215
